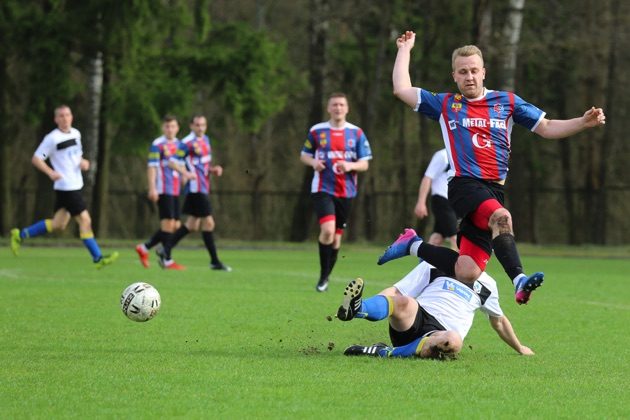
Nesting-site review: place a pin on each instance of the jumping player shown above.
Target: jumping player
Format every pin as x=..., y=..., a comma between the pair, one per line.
x=435, y=180
x=336, y=150
x=476, y=126
x=63, y=148
x=163, y=174
x=198, y=159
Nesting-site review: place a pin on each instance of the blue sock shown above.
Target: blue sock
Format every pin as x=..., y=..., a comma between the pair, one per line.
x=36, y=229
x=92, y=246
x=408, y=350
x=376, y=308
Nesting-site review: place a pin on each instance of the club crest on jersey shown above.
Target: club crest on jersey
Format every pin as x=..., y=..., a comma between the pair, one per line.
x=456, y=106
x=498, y=108
x=322, y=135
x=458, y=96
x=323, y=142
x=350, y=142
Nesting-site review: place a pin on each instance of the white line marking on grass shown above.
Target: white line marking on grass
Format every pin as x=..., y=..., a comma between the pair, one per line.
x=11, y=274
x=606, y=305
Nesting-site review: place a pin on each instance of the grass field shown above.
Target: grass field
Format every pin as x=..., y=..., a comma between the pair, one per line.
x=255, y=343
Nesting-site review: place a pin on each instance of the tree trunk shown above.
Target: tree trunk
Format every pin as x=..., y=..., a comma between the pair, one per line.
x=482, y=24
x=512, y=35
x=90, y=137
x=318, y=30
x=100, y=206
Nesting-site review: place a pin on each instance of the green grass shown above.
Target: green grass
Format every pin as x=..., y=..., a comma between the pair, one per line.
x=255, y=342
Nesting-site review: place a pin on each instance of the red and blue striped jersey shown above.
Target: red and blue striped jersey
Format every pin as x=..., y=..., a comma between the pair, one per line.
x=161, y=153
x=477, y=133
x=198, y=158
x=331, y=145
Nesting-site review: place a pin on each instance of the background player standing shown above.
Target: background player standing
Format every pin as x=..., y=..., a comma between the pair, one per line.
x=476, y=126
x=63, y=147
x=198, y=159
x=164, y=184
x=336, y=150
x=436, y=180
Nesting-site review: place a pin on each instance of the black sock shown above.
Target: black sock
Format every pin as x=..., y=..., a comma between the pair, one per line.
x=167, y=242
x=208, y=239
x=155, y=239
x=505, y=249
x=325, y=258
x=440, y=257
x=333, y=260
x=179, y=234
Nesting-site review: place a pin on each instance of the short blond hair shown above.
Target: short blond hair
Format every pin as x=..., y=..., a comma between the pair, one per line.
x=466, y=51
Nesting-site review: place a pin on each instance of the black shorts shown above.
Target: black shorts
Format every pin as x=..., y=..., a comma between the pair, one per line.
x=168, y=206
x=423, y=324
x=328, y=206
x=197, y=205
x=444, y=215
x=465, y=195
x=71, y=201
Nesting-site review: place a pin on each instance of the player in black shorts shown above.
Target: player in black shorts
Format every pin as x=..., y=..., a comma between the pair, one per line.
x=163, y=175
x=198, y=159
x=435, y=180
x=62, y=147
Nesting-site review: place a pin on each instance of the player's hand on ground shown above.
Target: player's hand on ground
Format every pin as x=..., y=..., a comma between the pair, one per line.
x=421, y=210
x=526, y=351
x=318, y=165
x=217, y=170
x=153, y=196
x=84, y=165
x=594, y=117
x=406, y=40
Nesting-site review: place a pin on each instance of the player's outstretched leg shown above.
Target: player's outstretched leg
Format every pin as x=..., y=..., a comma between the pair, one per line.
x=375, y=350
x=351, y=300
x=106, y=260
x=16, y=241
x=526, y=285
x=401, y=246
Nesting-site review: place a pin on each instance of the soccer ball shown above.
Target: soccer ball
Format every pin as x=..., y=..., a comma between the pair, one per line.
x=140, y=302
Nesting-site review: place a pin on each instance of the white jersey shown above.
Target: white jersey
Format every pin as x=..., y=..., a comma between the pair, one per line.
x=65, y=153
x=438, y=172
x=449, y=301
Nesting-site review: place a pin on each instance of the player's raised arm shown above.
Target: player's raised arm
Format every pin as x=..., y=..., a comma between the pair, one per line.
x=400, y=76
x=557, y=129
x=503, y=327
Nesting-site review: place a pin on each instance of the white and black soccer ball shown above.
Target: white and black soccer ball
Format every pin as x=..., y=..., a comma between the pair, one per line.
x=140, y=302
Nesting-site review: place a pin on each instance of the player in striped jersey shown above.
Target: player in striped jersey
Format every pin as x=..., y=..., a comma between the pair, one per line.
x=63, y=148
x=336, y=150
x=198, y=159
x=476, y=127
x=429, y=314
x=163, y=174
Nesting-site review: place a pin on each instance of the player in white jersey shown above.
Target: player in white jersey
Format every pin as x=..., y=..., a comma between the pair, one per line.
x=436, y=180
x=429, y=314
x=62, y=147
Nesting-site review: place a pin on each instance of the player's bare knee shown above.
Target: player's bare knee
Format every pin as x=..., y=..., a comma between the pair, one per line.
x=501, y=221
x=207, y=224
x=404, y=306
x=452, y=342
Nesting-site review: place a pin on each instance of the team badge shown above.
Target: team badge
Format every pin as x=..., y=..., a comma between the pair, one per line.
x=324, y=142
x=456, y=106
x=350, y=142
x=458, y=97
x=322, y=135
x=498, y=108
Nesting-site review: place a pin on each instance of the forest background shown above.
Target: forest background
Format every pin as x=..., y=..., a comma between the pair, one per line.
x=261, y=70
